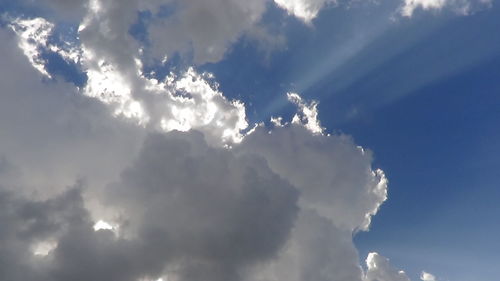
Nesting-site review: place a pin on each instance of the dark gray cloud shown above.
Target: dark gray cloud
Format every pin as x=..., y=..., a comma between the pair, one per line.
x=216, y=213
x=196, y=212
x=79, y=252
x=25, y=223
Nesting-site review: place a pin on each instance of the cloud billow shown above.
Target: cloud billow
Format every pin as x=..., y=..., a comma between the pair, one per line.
x=214, y=213
x=186, y=188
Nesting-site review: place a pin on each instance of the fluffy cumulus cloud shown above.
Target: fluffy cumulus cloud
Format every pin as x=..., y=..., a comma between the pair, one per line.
x=328, y=170
x=132, y=176
x=179, y=102
x=379, y=268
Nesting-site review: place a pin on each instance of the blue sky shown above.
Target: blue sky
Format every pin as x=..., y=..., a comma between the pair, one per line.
x=422, y=92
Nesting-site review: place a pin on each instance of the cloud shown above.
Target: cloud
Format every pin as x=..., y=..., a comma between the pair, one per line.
x=305, y=10
x=250, y=204
x=206, y=29
x=379, y=269
x=51, y=135
x=339, y=194
x=67, y=10
x=26, y=223
x=426, y=276
x=33, y=34
x=203, y=31
x=307, y=113
x=317, y=250
x=463, y=7
x=169, y=183
x=212, y=213
x=180, y=102
x=327, y=169
x=79, y=252
x=185, y=206
x=410, y=6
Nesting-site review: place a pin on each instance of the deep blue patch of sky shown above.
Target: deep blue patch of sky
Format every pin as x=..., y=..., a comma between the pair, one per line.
x=60, y=68
x=439, y=146
x=64, y=35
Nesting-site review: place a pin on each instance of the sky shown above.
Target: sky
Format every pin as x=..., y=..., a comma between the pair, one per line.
x=263, y=140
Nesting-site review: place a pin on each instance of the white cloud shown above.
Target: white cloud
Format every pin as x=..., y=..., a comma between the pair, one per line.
x=33, y=35
x=107, y=84
x=463, y=7
x=326, y=169
x=43, y=248
x=379, y=269
x=307, y=114
x=426, y=276
x=411, y=5
x=100, y=224
x=33, y=38
x=182, y=102
x=305, y=10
